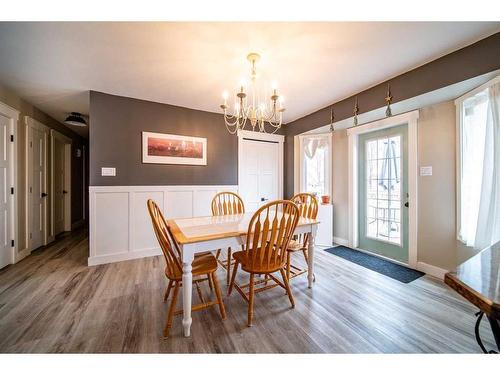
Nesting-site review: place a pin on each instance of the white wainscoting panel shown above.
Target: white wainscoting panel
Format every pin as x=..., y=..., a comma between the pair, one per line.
x=120, y=226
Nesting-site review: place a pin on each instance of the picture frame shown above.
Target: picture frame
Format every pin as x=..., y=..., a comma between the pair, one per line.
x=161, y=148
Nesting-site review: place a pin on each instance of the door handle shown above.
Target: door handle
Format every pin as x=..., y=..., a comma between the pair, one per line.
x=44, y=195
x=263, y=199
x=65, y=192
x=407, y=204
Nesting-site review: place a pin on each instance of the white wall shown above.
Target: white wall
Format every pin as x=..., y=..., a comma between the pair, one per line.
x=120, y=225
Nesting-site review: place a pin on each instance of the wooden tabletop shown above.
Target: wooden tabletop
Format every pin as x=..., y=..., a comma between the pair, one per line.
x=478, y=280
x=206, y=228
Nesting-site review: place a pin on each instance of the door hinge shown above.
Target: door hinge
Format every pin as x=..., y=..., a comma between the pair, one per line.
x=12, y=243
x=31, y=235
x=12, y=190
x=12, y=137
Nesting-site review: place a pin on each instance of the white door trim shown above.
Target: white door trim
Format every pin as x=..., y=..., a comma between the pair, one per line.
x=410, y=118
x=32, y=123
x=257, y=136
x=13, y=115
x=67, y=180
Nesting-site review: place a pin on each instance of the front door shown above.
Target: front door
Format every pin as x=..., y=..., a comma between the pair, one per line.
x=383, y=192
x=5, y=192
x=259, y=174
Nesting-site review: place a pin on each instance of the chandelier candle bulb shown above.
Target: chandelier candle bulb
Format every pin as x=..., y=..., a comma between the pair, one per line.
x=256, y=109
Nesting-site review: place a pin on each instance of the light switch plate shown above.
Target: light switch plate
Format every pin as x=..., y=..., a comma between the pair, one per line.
x=108, y=171
x=426, y=171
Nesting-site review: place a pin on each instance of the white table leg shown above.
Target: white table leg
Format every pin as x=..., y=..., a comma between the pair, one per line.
x=187, y=289
x=310, y=254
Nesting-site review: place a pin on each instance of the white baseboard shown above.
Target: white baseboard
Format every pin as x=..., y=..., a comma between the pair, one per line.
x=21, y=254
x=119, y=257
x=431, y=270
x=340, y=241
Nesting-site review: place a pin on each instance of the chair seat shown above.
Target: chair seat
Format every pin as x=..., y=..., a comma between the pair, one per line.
x=249, y=266
x=295, y=246
x=202, y=264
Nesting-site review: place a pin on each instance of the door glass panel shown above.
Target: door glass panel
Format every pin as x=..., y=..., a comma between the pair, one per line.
x=383, y=193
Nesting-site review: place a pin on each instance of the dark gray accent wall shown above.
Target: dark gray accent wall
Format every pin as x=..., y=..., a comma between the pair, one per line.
x=116, y=126
x=471, y=61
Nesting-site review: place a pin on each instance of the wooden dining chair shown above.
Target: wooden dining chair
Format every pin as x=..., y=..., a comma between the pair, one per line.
x=308, y=208
x=204, y=268
x=269, y=233
x=227, y=203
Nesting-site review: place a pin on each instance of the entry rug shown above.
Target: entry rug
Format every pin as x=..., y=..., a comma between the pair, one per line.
x=382, y=266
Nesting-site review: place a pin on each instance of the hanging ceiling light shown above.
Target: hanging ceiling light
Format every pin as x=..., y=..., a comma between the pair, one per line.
x=257, y=112
x=75, y=119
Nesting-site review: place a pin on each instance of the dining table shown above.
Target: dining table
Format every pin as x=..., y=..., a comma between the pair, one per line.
x=478, y=281
x=208, y=233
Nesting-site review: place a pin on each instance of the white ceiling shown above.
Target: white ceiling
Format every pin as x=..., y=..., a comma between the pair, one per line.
x=54, y=65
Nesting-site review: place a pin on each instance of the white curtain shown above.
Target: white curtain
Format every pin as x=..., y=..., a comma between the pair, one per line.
x=488, y=222
x=311, y=145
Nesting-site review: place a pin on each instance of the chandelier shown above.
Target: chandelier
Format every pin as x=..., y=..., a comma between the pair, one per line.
x=253, y=110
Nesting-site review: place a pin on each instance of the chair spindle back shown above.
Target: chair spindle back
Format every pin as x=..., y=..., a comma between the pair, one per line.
x=269, y=233
x=308, y=208
x=308, y=205
x=227, y=203
x=164, y=236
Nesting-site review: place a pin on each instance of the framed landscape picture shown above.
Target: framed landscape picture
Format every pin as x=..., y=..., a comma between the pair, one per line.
x=159, y=148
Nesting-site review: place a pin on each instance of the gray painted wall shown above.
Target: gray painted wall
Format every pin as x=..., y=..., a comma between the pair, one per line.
x=115, y=141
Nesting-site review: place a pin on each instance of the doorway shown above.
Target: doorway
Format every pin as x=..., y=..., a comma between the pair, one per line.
x=260, y=168
x=8, y=231
x=383, y=192
x=383, y=170
x=61, y=183
x=36, y=183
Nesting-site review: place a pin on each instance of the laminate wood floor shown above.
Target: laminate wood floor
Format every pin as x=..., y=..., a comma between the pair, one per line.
x=53, y=302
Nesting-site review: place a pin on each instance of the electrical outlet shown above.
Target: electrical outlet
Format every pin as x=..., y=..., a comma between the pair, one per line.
x=108, y=171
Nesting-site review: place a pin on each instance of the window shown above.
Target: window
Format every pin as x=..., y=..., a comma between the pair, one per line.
x=315, y=164
x=383, y=189
x=478, y=204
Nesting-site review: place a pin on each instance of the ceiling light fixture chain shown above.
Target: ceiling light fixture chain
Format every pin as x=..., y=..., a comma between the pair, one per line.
x=258, y=113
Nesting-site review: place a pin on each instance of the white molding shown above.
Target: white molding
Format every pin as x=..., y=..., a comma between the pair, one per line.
x=341, y=241
x=474, y=91
x=21, y=254
x=429, y=269
x=146, y=188
x=120, y=257
x=67, y=180
x=13, y=115
x=410, y=118
x=257, y=136
x=120, y=228
x=30, y=122
x=296, y=164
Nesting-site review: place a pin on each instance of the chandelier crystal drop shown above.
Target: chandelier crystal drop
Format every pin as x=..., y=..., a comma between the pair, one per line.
x=248, y=107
